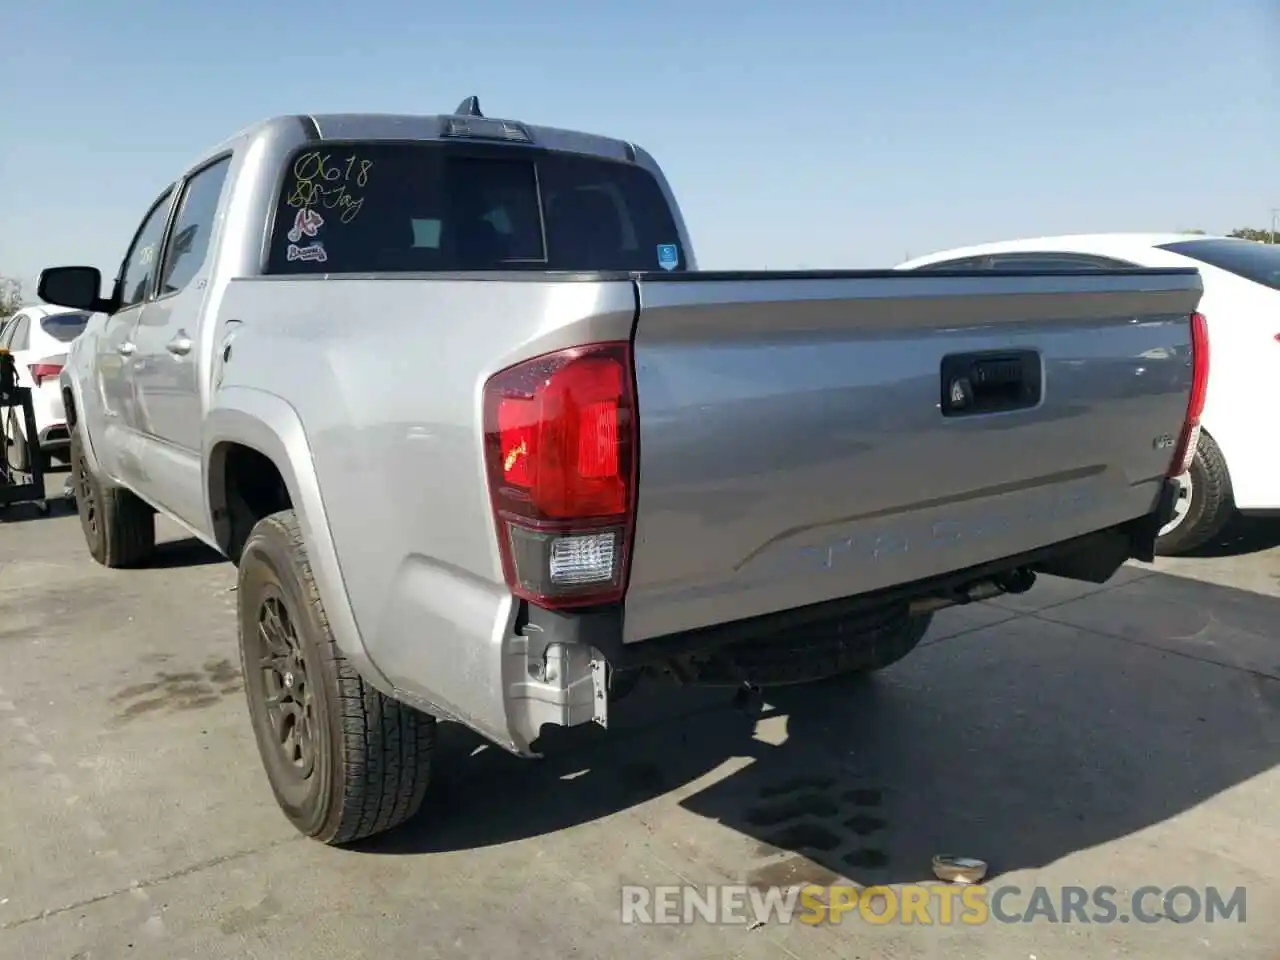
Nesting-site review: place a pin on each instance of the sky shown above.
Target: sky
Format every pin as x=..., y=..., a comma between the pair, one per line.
x=795, y=133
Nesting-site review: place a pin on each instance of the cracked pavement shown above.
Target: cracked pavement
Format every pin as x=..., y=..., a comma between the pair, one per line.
x=1076, y=735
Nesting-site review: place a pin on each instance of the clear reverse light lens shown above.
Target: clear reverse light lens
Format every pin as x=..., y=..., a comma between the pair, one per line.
x=583, y=558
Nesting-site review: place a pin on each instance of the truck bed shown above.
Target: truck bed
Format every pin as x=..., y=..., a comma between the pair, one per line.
x=794, y=449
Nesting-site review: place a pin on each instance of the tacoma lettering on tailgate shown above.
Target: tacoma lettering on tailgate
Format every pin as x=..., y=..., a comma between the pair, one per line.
x=873, y=547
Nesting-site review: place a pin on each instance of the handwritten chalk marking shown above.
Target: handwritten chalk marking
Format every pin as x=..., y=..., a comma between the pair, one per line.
x=316, y=183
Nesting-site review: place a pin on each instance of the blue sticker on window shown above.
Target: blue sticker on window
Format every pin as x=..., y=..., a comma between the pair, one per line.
x=668, y=256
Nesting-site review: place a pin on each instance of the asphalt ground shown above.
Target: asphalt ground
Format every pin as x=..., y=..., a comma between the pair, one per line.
x=1124, y=736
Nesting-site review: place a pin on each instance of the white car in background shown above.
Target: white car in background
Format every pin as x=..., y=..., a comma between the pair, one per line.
x=1237, y=461
x=39, y=337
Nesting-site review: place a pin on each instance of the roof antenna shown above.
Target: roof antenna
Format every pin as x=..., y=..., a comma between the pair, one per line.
x=469, y=107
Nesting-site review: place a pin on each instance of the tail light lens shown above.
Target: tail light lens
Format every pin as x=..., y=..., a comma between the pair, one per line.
x=560, y=452
x=1185, y=452
x=47, y=369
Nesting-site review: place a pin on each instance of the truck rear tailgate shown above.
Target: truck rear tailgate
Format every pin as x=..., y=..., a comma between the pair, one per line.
x=797, y=443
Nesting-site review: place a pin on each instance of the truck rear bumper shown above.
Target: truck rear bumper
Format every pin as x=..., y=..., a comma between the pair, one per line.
x=555, y=666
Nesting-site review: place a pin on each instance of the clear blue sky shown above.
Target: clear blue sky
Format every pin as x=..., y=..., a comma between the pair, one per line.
x=797, y=133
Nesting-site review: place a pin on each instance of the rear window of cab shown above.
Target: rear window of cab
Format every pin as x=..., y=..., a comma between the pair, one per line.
x=433, y=206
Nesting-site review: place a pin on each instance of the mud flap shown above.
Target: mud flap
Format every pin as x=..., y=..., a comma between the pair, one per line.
x=1147, y=530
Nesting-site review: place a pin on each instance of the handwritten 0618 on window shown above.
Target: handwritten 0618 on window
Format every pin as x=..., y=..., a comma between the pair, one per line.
x=329, y=181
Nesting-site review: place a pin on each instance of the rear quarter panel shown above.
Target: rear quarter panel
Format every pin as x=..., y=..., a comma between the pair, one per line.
x=386, y=376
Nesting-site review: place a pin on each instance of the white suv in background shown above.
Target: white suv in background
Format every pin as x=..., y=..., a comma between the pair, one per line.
x=1237, y=463
x=38, y=337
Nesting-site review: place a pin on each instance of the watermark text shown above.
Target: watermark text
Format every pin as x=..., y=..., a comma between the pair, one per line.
x=930, y=905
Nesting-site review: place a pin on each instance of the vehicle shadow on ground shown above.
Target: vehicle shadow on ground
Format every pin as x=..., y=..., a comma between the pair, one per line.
x=27, y=511
x=187, y=552
x=1018, y=744
x=55, y=480
x=1242, y=536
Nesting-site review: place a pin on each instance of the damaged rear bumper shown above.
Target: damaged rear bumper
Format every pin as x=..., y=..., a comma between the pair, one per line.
x=561, y=662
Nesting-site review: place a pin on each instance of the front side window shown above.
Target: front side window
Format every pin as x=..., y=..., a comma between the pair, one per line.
x=407, y=207
x=1259, y=262
x=193, y=227
x=143, y=259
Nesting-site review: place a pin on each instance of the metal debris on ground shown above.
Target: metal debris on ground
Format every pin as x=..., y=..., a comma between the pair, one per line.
x=959, y=869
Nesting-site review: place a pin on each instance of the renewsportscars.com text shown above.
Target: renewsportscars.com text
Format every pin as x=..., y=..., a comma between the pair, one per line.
x=931, y=904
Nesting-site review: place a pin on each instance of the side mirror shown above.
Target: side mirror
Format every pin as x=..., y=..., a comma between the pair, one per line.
x=76, y=287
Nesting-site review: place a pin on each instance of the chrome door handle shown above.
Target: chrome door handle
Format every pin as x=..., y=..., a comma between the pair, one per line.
x=126, y=349
x=179, y=346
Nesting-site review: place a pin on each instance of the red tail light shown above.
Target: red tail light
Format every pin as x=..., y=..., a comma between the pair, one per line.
x=560, y=452
x=1185, y=452
x=45, y=370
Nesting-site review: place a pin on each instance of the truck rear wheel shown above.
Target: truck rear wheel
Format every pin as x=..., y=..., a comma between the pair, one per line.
x=119, y=528
x=344, y=761
x=1205, y=504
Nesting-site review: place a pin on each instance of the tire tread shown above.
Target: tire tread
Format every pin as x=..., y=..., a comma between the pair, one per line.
x=126, y=524
x=387, y=746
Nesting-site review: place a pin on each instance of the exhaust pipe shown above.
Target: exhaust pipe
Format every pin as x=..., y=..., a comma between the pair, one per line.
x=1016, y=581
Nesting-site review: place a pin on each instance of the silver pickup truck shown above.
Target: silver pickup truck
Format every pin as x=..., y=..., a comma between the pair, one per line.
x=486, y=445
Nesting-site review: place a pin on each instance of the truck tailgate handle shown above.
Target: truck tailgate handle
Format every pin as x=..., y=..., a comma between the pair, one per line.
x=990, y=382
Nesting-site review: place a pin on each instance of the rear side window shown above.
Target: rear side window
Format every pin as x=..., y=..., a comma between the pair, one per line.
x=407, y=207
x=1259, y=262
x=64, y=327
x=193, y=227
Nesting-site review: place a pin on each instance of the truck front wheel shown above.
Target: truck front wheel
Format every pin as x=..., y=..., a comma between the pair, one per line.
x=119, y=528
x=344, y=761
